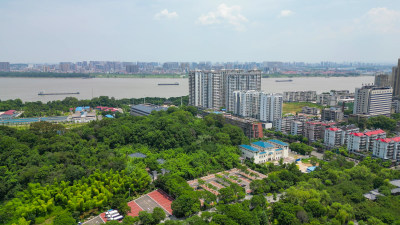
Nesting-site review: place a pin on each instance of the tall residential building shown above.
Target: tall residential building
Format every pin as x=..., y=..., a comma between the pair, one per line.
x=396, y=80
x=259, y=105
x=271, y=107
x=4, y=66
x=214, y=89
x=235, y=80
x=382, y=80
x=247, y=103
x=372, y=100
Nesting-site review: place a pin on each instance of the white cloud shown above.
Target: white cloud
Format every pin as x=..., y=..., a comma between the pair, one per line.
x=383, y=20
x=285, y=13
x=164, y=14
x=224, y=14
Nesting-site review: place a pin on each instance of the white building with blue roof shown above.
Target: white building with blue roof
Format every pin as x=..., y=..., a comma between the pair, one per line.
x=262, y=152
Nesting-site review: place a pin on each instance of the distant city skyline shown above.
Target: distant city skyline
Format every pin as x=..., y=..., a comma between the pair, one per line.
x=190, y=31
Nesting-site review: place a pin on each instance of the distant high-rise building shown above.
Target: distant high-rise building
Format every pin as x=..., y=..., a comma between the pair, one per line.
x=65, y=66
x=382, y=80
x=372, y=101
x=4, y=66
x=396, y=80
x=214, y=89
x=132, y=68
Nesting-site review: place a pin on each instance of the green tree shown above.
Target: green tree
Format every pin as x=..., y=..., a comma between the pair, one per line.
x=64, y=218
x=259, y=201
x=146, y=218
x=158, y=215
x=185, y=205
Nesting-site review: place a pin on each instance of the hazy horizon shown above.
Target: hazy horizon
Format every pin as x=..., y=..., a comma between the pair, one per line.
x=191, y=31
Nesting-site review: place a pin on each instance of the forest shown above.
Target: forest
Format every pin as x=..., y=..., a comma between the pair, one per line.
x=48, y=170
x=60, y=107
x=54, y=175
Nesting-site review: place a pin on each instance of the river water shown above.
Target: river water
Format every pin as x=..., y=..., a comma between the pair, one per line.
x=27, y=89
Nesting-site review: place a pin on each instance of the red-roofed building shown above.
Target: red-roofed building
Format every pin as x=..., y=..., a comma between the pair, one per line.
x=359, y=142
x=335, y=137
x=332, y=137
x=314, y=130
x=9, y=114
x=387, y=148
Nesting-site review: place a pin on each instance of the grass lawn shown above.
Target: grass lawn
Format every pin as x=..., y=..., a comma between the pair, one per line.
x=293, y=107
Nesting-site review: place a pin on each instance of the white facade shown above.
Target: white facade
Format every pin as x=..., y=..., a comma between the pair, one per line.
x=296, y=128
x=332, y=137
x=358, y=142
x=373, y=101
x=270, y=107
x=247, y=103
x=262, y=152
x=388, y=148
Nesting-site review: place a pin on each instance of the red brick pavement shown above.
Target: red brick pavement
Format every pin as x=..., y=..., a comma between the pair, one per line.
x=161, y=198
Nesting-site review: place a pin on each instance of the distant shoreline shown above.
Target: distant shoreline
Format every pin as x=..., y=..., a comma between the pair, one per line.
x=89, y=76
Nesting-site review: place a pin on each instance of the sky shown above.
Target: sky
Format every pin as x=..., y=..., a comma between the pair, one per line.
x=39, y=31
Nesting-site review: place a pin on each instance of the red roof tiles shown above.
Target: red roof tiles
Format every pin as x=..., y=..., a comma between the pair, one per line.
x=9, y=112
x=373, y=132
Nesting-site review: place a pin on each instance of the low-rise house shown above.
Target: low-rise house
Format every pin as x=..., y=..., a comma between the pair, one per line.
x=10, y=114
x=145, y=109
x=310, y=110
x=262, y=151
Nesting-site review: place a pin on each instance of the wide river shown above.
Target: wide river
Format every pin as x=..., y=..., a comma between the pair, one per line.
x=27, y=89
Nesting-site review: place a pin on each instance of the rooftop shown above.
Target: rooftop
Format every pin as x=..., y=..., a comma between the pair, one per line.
x=137, y=155
x=333, y=129
x=278, y=142
x=387, y=140
x=395, y=183
x=357, y=134
x=263, y=144
x=373, y=132
x=148, y=108
x=248, y=147
x=9, y=112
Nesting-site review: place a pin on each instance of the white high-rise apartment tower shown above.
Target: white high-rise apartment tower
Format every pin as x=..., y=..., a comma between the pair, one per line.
x=271, y=107
x=372, y=100
x=214, y=89
x=247, y=103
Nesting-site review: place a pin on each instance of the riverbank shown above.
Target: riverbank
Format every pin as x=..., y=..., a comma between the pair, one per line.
x=85, y=75
x=144, y=75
